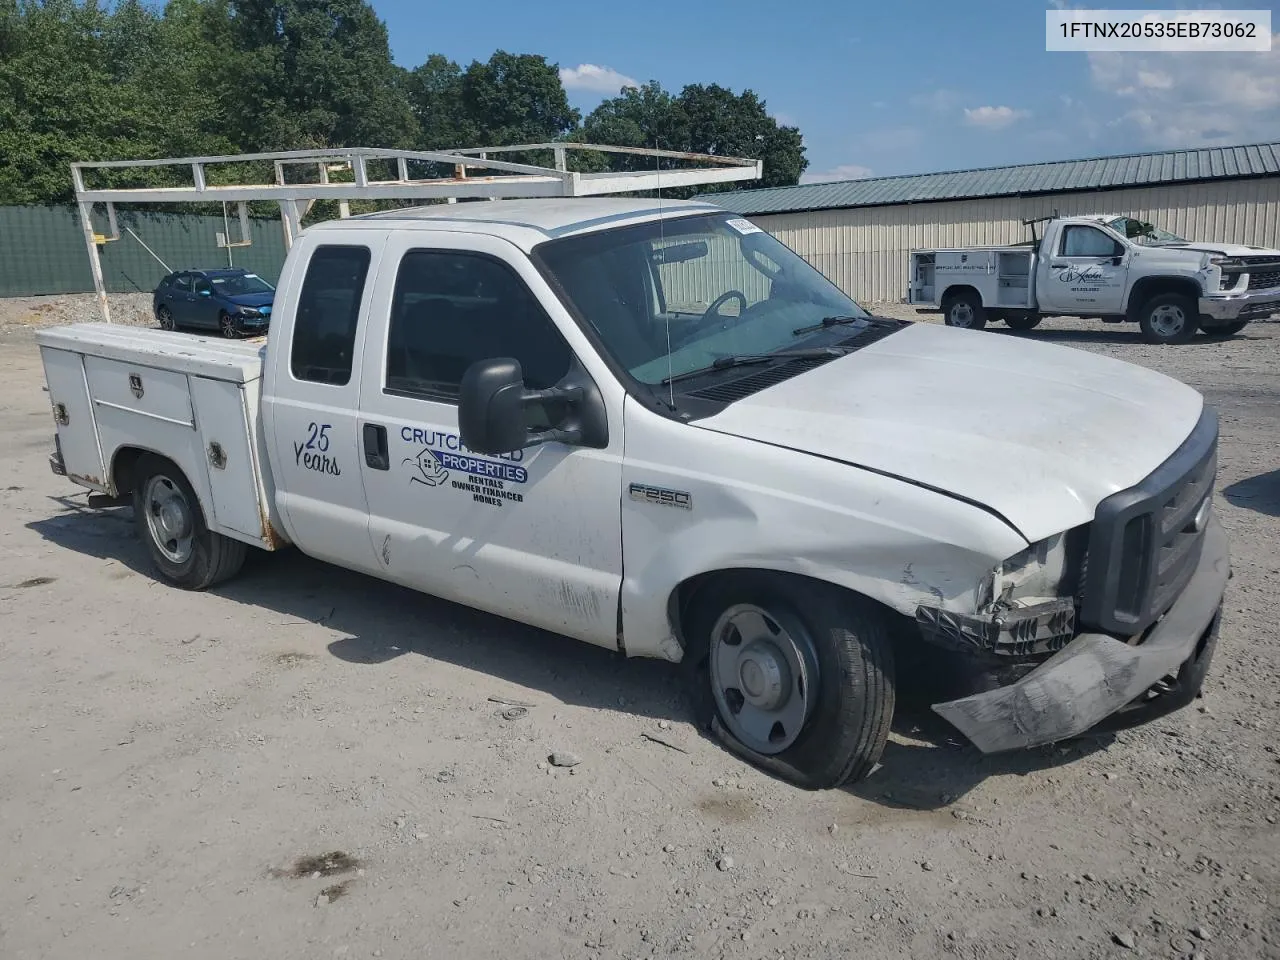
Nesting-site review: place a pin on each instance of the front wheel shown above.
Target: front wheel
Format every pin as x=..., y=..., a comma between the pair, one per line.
x=797, y=675
x=1169, y=318
x=227, y=324
x=171, y=524
x=964, y=310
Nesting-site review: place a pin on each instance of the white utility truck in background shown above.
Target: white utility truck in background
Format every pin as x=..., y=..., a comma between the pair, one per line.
x=652, y=427
x=1113, y=268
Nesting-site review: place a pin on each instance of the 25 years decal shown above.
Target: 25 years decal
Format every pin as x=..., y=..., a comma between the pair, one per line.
x=444, y=460
x=313, y=453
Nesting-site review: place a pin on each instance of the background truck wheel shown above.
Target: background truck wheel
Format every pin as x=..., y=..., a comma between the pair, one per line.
x=171, y=524
x=798, y=675
x=1169, y=318
x=1226, y=329
x=1022, y=321
x=964, y=310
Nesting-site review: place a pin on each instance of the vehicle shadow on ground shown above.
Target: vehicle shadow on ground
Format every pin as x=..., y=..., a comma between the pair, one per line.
x=928, y=765
x=925, y=762
x=1260, y=493
x=381, y=621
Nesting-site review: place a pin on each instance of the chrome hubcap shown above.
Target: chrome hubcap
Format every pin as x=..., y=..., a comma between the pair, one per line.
x=763, y=676
x=961, y=315
x=169, y=519
x=1168, y=320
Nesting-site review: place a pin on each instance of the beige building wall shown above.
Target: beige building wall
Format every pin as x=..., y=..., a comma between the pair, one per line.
x=865, y=249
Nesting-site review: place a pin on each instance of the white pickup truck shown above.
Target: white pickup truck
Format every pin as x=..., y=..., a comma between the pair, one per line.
x=657, y=429
x=1113, y=268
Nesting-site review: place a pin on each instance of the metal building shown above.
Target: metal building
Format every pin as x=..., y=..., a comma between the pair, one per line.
x=859, y=232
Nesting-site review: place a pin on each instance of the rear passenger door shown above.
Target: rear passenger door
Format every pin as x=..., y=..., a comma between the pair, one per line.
x=533, y=535
x=178, y=299
x=313, y=403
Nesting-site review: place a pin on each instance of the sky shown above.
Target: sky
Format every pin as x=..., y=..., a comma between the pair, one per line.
x=880, y=88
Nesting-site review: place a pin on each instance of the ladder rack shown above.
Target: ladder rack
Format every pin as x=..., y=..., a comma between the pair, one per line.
x=500, y=179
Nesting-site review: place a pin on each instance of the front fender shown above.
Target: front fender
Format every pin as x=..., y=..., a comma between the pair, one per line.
x=708, y=501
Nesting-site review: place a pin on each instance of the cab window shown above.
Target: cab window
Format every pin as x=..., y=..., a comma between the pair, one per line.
x=450, y=310
x=1080, y=241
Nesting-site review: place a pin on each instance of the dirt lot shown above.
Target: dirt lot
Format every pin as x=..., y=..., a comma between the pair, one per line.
x=309, y=763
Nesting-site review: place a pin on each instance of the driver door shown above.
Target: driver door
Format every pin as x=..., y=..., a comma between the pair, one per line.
x=531, y=535
x=1086, y=273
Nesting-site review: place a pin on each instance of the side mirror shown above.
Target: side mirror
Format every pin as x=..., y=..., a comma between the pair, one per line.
x=491, y=407
x=1117, y=260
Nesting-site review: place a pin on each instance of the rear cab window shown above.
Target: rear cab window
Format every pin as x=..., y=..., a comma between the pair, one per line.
x=324, y=330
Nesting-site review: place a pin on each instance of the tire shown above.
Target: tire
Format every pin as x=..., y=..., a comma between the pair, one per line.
x=1022, y=321
x=165, y=317
x=838, y=724
x=1226, y=329
x=185, y=552
x=1169, y=318
x=227, y=326
x=964, y=310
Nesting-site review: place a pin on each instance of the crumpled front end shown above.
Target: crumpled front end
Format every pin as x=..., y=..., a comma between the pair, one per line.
x=1148, y=573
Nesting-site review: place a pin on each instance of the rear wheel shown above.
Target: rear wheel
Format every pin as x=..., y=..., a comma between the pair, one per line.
x=796, y=675
x=1226, y=329
x=964, y=310
x=172, y=525
x=1169, y=318
x=1022, y=321
x=165, y=316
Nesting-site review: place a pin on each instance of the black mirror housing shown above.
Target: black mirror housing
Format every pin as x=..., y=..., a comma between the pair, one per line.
x=491, y=407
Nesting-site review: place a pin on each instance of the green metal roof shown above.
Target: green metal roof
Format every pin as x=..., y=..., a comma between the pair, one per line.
x=1100, y=173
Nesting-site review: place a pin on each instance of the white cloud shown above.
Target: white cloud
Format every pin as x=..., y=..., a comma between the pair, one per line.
x=1192, y=99
x=597, y=79
x=846, y=171
x=993, y=118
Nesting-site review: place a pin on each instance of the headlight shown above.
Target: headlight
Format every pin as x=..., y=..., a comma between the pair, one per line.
x=248, y=311
x=1226, y=263
x=1035, y=575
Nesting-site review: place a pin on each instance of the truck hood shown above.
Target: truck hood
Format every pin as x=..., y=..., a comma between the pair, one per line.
x=253, y=299
x=1218, y=249
x=1037, y=433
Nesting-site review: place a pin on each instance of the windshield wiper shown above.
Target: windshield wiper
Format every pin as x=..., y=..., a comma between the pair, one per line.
x=826, y=322
x=742, y=359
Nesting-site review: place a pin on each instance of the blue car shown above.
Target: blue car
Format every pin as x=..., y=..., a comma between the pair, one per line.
x=234, y=302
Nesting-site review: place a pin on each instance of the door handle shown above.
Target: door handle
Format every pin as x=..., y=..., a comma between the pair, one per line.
x=376, y=455
x=1057, y=266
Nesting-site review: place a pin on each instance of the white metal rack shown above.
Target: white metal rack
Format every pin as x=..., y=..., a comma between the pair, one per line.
x=502, y=179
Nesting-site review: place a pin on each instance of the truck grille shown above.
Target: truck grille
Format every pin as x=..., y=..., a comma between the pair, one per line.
x=1265, y=280
x=1144, y=542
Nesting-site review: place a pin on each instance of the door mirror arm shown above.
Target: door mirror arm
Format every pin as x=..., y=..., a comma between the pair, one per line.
x=493, y=398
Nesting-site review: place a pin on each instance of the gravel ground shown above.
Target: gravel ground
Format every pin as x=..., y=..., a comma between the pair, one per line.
x=310, y=763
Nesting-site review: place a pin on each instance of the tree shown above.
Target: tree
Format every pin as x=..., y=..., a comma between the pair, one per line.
x=434, y=91
x=738, y=125
x=311, y=73
x=514, y=98
x=702, y=119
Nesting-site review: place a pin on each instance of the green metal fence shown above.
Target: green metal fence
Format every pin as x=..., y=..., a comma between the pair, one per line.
x=42, y=249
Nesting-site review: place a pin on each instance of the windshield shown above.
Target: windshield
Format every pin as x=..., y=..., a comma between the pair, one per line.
x=238, y=285
x=1141, y=232
x=670, y=296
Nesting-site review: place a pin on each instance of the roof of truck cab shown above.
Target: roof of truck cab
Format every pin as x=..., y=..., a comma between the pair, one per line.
x=525, y=223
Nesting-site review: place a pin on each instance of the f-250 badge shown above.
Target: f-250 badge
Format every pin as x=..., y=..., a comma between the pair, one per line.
x=661, y=496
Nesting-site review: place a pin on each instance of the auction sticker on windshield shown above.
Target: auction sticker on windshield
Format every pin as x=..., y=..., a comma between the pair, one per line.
x=743, y=227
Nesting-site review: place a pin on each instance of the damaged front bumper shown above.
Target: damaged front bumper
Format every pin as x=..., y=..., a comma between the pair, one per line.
x=1096, y=675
